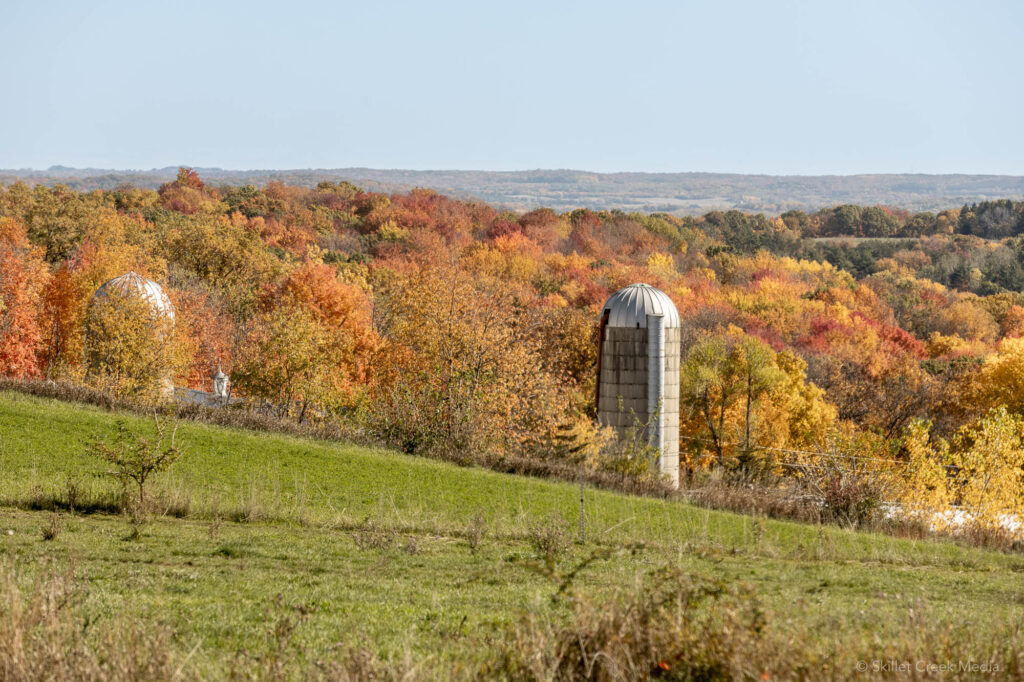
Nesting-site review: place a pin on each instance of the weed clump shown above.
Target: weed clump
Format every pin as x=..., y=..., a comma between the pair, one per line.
x=72, y=494
x=411, y=545
x=549, y=541
x=672, y=626
x=475, y=533
x=374, y=535
x=213, y=530
x=53, y=529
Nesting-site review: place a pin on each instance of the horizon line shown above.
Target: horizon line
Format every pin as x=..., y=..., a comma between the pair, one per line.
x=310, y=169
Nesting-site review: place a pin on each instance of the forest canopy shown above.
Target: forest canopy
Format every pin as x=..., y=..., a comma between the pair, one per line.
x=443, y=324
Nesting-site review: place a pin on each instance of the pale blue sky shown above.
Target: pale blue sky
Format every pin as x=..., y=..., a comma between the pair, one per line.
x=753, y=87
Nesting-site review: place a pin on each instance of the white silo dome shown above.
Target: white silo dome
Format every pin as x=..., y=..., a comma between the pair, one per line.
x=133, y=284
x=630, y=306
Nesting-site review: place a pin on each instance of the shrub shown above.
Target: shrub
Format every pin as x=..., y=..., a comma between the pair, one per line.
x=850, y=482
x=52, y=530
x=850, y=499
x=631, y=456
x=136, y=459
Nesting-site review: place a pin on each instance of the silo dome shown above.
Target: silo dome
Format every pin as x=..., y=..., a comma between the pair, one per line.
x=132, y=283
x=630, y=306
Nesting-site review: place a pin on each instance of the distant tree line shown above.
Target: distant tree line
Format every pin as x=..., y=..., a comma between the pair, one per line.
x=988, y=219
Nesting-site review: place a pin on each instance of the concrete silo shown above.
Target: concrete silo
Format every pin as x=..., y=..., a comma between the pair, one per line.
x=638, y=369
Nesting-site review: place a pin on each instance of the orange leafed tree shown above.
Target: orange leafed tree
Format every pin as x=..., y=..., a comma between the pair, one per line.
x=67, y=293
x=211, y=332
x=62, y=316
x=23, y=274
x=309, y=345
x=187, y=194
x=461, y=370
x=343, y=308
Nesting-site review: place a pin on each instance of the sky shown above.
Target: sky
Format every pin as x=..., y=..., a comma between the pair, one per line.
x=816, y=87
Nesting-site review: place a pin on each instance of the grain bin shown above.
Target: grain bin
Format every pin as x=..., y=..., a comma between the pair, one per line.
x=112, y=346
x=638, y=369
x=133, y=284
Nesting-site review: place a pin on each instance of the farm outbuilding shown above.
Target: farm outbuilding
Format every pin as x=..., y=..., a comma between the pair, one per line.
x=638, y=369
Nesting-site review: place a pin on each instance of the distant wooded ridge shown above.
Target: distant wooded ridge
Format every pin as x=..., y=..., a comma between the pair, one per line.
x=562, y=190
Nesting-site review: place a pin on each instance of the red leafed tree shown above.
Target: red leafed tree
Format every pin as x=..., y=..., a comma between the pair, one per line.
x=186, y=194
x=23, y=274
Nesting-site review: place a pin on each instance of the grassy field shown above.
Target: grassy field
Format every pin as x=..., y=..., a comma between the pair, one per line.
x=347, y=547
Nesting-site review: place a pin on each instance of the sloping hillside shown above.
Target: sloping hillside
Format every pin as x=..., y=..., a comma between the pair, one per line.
x=361, y=547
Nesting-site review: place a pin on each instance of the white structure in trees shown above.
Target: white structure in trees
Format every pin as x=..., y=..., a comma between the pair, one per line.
x=133, y=284
x=220, y=385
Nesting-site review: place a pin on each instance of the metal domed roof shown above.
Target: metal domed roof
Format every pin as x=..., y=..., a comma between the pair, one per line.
x=630, y=306
x=132, y=283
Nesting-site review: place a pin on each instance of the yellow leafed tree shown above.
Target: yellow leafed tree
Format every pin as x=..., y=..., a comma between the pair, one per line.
x=1001, y=379
x=989, y=459
x=925, y=492
x=131, y=348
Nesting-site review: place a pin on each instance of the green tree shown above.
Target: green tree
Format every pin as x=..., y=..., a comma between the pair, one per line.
x=136, y=459
x=722, y=380
x=878, y=222
x=844, y=220
x=57, y=220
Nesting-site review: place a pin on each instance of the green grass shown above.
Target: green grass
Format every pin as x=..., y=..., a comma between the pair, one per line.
x=221, y=585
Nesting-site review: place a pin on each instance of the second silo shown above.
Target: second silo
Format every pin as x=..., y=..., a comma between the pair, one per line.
x=638, y=369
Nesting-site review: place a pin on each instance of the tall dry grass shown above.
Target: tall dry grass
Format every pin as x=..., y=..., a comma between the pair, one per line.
x=45, y=636
x=42, y=637
x=674, y=626
x=668, y=625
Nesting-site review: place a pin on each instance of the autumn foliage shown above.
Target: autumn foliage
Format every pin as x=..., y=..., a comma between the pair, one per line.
x=444, y=325
x=23, y=276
